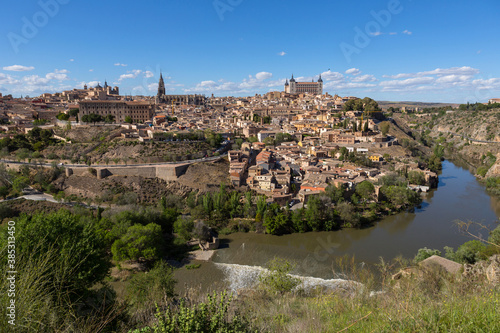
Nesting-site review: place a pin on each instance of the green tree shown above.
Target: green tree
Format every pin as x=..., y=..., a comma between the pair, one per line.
x=140, y=242
x=425, y=253
x=416, y=177
x=153, y=287
x=348, y=214
x=128, y=119
x=63, y=116
x=468, y=253
x=4, y=191
x=81, y=260
x=365, y=190
x=277, y=278
x=109, y=118
x=384, y=127
x=183, y=226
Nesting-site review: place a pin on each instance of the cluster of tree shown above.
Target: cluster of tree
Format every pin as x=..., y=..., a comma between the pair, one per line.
x=365, y=104
x=478, y=106
x=35, y=140
x=335, y=208
x=440, y=109
x=96, y=118
x=63, y=260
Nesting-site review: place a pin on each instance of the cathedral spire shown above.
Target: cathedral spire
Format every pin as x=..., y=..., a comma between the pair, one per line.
x=161, y=86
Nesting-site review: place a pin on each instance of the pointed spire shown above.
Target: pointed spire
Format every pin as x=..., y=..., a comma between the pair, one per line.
x=320, y=79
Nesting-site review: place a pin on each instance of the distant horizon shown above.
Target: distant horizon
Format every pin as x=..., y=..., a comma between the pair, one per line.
x=388, y=50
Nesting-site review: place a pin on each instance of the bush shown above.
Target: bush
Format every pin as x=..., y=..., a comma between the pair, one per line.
x=425, y=253
x=209, y=317
x=277, y=278
x=149, y=288
x=140, y=242
x=468, y=253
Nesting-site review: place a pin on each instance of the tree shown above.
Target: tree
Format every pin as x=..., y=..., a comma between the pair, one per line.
x=384, y=127
x=365, y=190
x=92, y=118
x=277, y=278
x=183, y=226
x=348, y=214
x=140, y=242
x=468, y=253
x=416, y=177
x=4, y=192
x=425, y=253
x=109, y=118
x=401, y=196
x=365, y=127
x=152, y=287
x=128, y=119
x=81, y=256
x=63, y=116
x=269, y=141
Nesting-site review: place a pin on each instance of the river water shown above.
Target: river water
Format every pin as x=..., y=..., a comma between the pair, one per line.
x=459, y=196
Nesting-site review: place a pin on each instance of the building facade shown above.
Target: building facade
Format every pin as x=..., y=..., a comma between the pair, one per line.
x=294, y=87
x=138, y=111
x=161, y=97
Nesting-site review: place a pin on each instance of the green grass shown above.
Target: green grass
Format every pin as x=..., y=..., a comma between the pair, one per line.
x=409, y=308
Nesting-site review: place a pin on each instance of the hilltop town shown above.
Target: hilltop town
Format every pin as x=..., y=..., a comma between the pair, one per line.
x=287, y=145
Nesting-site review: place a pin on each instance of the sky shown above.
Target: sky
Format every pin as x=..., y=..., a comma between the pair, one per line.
x=397, y=50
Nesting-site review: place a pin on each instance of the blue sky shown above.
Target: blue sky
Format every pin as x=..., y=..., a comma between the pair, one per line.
x=411, y=50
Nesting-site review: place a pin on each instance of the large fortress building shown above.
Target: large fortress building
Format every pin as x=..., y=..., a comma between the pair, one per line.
x=294, y=87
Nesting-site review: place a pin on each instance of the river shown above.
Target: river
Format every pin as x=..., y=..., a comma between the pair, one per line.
x=459, y=196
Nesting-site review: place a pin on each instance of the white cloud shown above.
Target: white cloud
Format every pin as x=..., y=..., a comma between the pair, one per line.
x=332, y=76
x=18, y=68
x=61, y=71
x=56, y=76
x=71, y=60
x=131, y=75
x=282, y=53
x=35, y=80
x=93, y=83
x=7, y=79
x=120, y=64
x=91, y=70
x=408, y=82
x=393, y=33
x=465, y=70
x=406, y=32
x=364, y=78
x=376, y=33
x=353, y=71
x=453, y=79
x=263, y=75
x=148, y=74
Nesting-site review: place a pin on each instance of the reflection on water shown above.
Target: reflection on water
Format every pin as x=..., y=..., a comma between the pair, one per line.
x=459, y=197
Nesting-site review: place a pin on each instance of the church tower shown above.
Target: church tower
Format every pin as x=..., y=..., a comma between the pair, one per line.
x=293, y=86
x=320, y=86
x=161, y=88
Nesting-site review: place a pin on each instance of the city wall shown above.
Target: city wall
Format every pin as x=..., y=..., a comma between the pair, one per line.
x=165, y=172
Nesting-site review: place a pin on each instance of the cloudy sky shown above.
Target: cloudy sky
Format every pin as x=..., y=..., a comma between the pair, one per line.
x=412, y=50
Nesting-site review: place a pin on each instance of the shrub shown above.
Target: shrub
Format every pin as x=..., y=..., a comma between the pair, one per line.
x=468, y=253
x=425, y=253
x=208, y=317
x=139, y=242
x=277, y=278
